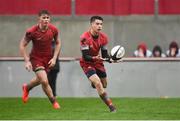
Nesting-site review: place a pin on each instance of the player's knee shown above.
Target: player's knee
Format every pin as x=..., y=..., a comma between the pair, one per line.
x=93, y=86
x=104, y=85
x=98, y=85
x=44, y=83
x=104, y=82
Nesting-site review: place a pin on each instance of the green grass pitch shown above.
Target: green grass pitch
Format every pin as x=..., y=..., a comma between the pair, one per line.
x=90, y=109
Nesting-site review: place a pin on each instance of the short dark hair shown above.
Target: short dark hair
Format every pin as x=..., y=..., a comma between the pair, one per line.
x=93, y=18
x=41, y=12
x=157, y=48
x=174, y=44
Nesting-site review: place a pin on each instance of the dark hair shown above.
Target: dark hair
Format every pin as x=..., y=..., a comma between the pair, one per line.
x=174, y=44
x=157, y=48
x=93, y=18
x=41, y=12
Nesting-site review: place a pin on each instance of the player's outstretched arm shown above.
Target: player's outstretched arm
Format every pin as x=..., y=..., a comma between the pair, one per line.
x=106, y=57
x=110, y=60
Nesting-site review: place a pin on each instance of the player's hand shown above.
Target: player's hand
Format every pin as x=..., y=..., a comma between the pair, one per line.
x=28, y=66
x=105, y=59
x=52, y=63
x=117, y=61
x=110, y=60
x=98, y=57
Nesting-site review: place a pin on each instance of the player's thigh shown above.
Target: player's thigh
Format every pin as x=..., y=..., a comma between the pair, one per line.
x=94, y=79
x=104, y=82
x=103, y=77
x=97, y=83
x=42, y=76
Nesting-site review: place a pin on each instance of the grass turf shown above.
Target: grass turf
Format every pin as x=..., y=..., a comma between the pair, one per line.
x=90, y=108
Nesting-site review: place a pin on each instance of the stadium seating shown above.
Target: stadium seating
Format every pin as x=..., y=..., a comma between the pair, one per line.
x=84, y=7
x=169, y=7
x=30, y=7
x=114, y=7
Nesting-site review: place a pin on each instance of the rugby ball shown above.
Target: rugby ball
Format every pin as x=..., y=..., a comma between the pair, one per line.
x=117, y=52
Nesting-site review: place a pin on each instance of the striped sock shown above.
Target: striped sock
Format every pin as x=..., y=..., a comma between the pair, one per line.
x=106, y=99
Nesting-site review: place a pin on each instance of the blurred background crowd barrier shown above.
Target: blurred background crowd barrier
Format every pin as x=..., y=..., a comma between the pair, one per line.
x=127, y=22
x=134, y=77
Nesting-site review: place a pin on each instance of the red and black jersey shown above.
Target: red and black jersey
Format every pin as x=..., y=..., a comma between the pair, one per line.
x=93, y=45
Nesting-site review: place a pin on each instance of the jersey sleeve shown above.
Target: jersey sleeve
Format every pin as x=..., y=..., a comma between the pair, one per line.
x=55, y=31
x=84, y=43
x=28, y=36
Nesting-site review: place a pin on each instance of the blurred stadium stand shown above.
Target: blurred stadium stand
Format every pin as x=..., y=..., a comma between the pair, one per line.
x=169, y=7
x=89, y=7
x=31, y=7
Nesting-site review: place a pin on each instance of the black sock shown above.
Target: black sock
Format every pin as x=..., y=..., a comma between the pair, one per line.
x=52, y=99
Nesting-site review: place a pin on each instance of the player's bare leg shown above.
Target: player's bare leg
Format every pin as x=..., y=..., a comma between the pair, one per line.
x=27, y=87
x=97, y=83
x=104, y=82
x=33, y=83
x=42, y=76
